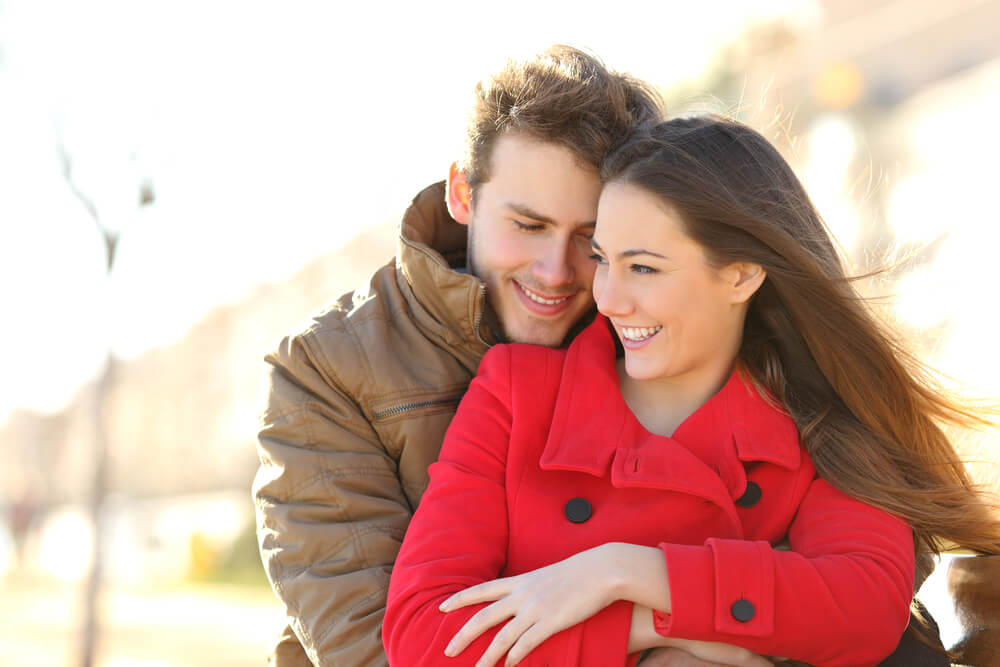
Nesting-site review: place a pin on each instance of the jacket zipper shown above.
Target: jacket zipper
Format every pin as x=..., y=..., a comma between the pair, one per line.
x=415, y=405
x=479, y=315
x=453, y=400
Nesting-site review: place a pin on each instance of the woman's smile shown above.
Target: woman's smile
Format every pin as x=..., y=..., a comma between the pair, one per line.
x=635, y=337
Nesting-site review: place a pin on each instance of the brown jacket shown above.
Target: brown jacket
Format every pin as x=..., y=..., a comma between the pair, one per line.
x=357, y=405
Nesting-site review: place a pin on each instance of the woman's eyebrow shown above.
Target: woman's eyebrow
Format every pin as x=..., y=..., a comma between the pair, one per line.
x=628, y=253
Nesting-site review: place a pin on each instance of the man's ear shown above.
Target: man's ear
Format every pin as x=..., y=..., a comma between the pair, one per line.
x=458, y=196
x=744, y=279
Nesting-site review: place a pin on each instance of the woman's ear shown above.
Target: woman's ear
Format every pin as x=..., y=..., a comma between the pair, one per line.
x=744, y=279
x=458, y=195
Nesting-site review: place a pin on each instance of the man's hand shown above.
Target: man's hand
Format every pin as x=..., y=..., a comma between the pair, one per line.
x=675, y=657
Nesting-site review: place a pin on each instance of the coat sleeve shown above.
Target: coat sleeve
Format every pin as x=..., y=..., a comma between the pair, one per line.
x=459, y=537
x=331, y=512
x=841, y=596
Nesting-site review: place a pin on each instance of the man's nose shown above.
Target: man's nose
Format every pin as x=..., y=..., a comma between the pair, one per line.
x=555, y=268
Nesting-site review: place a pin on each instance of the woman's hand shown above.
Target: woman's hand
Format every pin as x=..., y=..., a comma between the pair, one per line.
x=539, y=604
x=548, y=600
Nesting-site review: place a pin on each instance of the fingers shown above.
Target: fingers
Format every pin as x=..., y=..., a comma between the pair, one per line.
x=528, y=642
x=517, y=638
x=502, y=642
x=481, y=621
x=485, y=592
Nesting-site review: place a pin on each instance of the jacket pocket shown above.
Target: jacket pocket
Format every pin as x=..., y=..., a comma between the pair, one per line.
x=397, y=409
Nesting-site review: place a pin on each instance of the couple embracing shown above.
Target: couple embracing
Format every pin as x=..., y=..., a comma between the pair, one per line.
x=728, y=462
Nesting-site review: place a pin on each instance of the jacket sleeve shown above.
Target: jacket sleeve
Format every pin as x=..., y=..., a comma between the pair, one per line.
x=330, y=509
x=841, y=596
x=459, y=537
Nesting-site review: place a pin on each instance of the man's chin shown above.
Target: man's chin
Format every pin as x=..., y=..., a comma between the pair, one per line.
x=537, y=334
x=521, y=324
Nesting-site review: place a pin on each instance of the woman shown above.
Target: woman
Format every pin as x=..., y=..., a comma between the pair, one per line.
x=630, y=493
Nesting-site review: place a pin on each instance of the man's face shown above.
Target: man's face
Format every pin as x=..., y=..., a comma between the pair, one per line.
x=529, y=238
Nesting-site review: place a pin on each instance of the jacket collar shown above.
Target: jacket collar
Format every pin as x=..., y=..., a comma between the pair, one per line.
x=453, y=304
x=593, y=430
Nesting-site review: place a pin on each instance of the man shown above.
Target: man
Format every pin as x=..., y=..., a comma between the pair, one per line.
x=359, y=400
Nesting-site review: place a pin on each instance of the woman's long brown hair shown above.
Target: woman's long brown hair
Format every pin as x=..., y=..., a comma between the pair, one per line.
x=869, y=413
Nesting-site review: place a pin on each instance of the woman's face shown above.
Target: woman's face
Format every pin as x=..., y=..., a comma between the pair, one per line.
x=676, y=316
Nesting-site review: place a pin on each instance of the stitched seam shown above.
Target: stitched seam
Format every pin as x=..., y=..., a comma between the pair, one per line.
x=328, y=369
x=341, y=473
x=305, y=637
x=270, y=415
x=306, y=446
x=380, y=595
x=362, y=354
x=383, y=528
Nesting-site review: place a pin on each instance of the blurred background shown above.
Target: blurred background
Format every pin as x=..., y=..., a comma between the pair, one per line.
x=181, y=182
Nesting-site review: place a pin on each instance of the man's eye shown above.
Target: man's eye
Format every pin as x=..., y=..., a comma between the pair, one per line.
x=528, y=226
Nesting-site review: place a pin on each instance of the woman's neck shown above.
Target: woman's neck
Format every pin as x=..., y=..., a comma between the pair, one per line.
x=663, y=405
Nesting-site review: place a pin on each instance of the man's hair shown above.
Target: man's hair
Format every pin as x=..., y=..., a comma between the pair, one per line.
x=563, y=96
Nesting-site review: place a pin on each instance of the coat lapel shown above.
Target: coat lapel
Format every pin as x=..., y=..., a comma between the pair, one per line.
x=587, y=422
x=593, y=431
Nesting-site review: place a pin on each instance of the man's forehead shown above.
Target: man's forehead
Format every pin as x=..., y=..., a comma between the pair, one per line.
x=514, y=146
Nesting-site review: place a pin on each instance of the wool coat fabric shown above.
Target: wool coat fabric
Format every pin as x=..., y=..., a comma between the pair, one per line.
x=544, y=459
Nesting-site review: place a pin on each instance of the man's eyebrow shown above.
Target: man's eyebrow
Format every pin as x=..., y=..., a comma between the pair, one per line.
x=528, y=212
x=628, y=253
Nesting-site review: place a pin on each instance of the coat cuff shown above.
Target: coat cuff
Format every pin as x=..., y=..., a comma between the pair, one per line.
x=726, y=586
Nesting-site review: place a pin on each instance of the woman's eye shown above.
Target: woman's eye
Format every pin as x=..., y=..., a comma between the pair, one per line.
x=528, y=226
x=597, y=258
x=642, y=268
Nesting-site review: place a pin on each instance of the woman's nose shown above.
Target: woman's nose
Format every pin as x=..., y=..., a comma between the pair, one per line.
x=611, y=299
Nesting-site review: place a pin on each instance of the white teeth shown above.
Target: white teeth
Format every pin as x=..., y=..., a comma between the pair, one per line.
x=639, y=333
x=538, y=299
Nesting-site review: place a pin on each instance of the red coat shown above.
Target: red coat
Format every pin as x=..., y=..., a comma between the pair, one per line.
x=540, y=428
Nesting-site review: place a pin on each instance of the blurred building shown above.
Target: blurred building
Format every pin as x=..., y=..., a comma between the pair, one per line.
x=182, y=419
x=181, y=434
x=846, y=92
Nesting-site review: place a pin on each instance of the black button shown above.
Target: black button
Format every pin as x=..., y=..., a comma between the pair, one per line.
x=743, y=610
x=578, y=510
x=751, y=496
